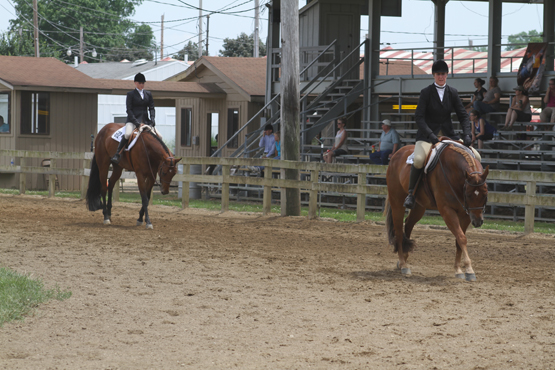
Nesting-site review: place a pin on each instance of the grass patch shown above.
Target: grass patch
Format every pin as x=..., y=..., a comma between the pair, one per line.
x=20, y=294
x=343, y=215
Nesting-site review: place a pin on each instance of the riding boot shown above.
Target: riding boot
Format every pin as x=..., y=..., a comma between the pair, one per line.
x=117, y=157
x=413, y=181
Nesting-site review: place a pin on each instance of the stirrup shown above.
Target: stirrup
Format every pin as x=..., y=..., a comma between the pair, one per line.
x=409, y=201
x=116, y=158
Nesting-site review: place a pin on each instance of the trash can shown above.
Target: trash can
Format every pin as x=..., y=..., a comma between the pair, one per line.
x=194, y=187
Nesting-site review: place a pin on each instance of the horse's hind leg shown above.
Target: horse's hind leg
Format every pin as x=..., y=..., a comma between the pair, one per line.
x=414, y=216
x=116, y=174
x=401, y=243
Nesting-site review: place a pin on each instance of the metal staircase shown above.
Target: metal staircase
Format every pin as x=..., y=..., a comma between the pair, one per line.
x=318, y=110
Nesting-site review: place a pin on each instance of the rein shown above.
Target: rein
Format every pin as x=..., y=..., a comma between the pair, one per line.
x=464, y=206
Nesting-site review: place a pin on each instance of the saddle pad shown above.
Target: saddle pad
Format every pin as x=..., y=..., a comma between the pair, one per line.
x=434, y=156
x=119, y=134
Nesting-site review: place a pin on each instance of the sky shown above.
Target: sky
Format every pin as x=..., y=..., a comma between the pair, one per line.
x=466, y=20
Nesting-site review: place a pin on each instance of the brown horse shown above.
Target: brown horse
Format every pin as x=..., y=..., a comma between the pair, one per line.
x=456, y=187
x=148, y=157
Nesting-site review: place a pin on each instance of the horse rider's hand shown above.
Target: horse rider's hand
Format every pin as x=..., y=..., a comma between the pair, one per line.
x=467, y=141
x=433, y=138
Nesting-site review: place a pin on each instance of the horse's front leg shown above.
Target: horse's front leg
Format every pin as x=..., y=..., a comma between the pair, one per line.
x=145, y=198
x=458, y=225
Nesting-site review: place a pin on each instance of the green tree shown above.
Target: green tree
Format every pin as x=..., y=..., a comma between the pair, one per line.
x=521, y=39
x=105, y=23
x=190, y=49
x=242, y=46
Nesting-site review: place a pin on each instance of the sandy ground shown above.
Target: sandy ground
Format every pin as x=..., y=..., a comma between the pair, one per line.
x=205, y=290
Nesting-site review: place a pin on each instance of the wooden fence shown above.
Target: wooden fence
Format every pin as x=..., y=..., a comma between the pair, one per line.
x=313, y=186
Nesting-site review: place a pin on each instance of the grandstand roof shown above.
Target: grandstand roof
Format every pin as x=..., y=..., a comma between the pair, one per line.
x=466, y=61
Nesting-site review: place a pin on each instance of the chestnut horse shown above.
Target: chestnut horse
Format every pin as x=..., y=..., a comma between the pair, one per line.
x=456, y=187
x=148, y=157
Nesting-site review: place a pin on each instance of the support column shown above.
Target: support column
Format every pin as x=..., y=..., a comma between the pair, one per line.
x=439, y=29
x=372, y=63
x=549, y=32
x=494, y=37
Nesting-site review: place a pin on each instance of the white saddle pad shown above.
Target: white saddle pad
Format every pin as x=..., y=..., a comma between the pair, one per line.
x=118, y=135
x=410, y=159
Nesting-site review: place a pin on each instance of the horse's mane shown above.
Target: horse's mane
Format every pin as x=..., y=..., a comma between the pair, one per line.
x=161, y=142
x=469, y=160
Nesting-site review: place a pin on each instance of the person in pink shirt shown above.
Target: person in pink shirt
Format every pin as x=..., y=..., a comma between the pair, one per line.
x=548, y=113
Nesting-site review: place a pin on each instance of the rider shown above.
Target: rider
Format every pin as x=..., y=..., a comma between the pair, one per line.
x=138, y=102
x=433, y=117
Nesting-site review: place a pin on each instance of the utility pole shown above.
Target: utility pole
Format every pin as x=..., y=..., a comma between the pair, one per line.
x=162, y=39
x=199, y=28
x=256, y=28
x=36, y=28
x=81, y=51
x=207, y=31
x=290, y=105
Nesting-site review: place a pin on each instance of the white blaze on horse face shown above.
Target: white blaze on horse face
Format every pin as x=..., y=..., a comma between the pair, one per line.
x=476, y=192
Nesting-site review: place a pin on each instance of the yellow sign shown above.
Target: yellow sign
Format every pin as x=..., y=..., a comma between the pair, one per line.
x=43, y=113
x=396, y=107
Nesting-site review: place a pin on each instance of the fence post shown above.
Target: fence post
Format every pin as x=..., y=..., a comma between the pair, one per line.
x=85, y=178
x=185, y=187
x=225, y=188
x=52, y=179
x=267, y=199
x=22, y=177
x=361, y=197
x=530, y=207
x=115, y=191
x=313, y=195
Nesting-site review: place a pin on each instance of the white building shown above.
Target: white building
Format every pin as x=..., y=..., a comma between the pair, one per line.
x=111, y=108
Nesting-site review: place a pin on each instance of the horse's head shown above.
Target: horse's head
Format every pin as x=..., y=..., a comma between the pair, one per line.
x=476, y=196
x=167, y=171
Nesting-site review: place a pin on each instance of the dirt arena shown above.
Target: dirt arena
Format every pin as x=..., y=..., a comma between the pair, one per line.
x=205, y=290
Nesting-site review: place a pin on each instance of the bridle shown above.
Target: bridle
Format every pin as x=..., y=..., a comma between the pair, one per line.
x=160, y=171
x=465, y=205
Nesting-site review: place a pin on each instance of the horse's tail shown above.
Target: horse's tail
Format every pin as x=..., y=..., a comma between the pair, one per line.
x=94, y=201
x=408, y=244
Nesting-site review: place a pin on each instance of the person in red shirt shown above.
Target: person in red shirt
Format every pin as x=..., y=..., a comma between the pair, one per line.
x=548, y=113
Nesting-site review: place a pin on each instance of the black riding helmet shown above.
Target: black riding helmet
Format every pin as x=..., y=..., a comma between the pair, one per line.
x=440, y=66
x=139, y=77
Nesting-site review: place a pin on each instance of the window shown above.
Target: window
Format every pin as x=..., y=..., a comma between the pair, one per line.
x=120, y=119
x=186, y=123
x=4, y=113
x=233, y=126
x=35, y=113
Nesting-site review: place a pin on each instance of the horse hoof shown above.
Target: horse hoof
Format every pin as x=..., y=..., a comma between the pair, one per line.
x=149, y=227
x=397, y=265
x=405, y=271
x=139, y=223
x=107, y=222
x=459, y=276
x=470, y=277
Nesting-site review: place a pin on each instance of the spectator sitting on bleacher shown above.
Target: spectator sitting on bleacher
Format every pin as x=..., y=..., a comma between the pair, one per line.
x=268, y=142
x=520, y=108
x=490, y=103
x=278, y=145
x=478, y=94
x=339, y=145
x=389, y=143
x=548, y=113
x=481, y=129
